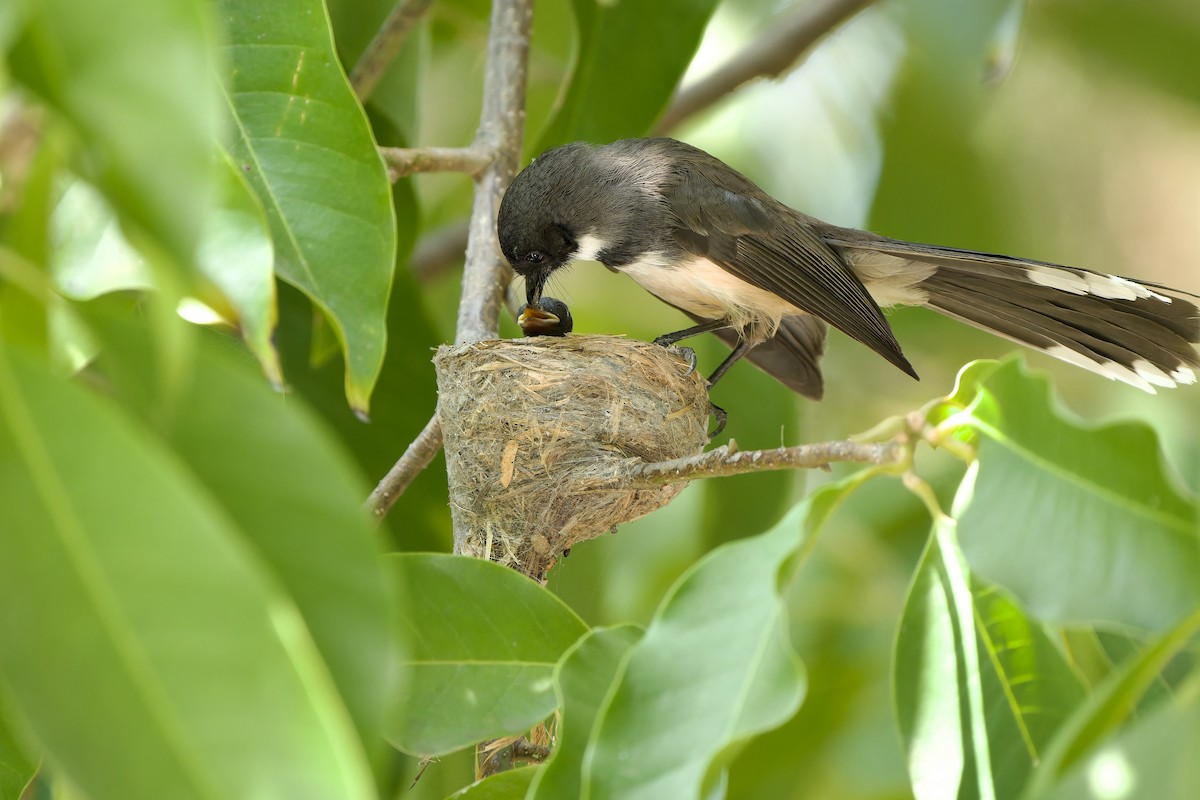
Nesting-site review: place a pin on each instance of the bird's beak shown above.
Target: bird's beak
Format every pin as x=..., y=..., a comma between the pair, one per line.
x=534, y=283
x=535, y=320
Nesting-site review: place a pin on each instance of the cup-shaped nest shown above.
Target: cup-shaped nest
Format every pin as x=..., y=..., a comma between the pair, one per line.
x=540, y=434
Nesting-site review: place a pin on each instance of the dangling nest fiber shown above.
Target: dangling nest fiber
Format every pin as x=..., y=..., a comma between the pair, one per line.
x=539, y=433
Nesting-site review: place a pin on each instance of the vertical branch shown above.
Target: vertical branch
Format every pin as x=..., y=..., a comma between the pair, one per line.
x=501, y=126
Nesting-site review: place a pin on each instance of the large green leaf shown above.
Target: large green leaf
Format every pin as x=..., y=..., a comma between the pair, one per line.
x=714, y=668
x=293, y=494
x=136, y=79
x=304, y=144
x=582, y=682
x=480, y=643
x=174, y=667
x=1076, y=521
x=630, y=57
x=979, y=688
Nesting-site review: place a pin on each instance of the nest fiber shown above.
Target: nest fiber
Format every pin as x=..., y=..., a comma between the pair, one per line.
x=539, y=435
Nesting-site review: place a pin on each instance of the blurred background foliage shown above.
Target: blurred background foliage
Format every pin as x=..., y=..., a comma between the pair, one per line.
x=1062, y=130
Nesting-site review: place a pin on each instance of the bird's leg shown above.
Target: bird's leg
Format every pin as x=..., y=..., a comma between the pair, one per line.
x=743, y=347
x=668, y=339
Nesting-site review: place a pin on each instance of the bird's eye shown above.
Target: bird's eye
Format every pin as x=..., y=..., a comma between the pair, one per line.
x=534, y=257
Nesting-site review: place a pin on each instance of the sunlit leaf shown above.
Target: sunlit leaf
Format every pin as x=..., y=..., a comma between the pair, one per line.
x=1077, y=521
x=980, y=689
x=480, y=642
x=165, y=631
x=236, y=254
x=136, y=79
x=303, y=142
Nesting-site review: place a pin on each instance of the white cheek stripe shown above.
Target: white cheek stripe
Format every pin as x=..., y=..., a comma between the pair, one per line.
x=590, y=246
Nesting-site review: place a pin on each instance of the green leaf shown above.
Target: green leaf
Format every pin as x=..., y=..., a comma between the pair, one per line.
x=90, y=256
x=979, y=688
x=1109, y=707
x=164, y=629
x=1076, y=521
x=236, y=254
x=304, y=144
x=510, y=785
x=630, y=57
x=136, y=81
x=291, y=491
x=582, y=682
x=17, y=769
x=714, y=668
x=1156, y=758
x=479, y=645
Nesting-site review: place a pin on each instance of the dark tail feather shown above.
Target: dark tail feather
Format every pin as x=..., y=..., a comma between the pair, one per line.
x=1141, y=334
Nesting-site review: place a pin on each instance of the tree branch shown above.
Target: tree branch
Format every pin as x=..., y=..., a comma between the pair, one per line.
x=485, y=275
x=383, y=48
x=415, y=458
x=728, y=460
x=501, y=127
x=768, y=56
x=402, y=161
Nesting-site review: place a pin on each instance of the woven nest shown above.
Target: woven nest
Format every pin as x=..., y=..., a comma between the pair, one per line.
x=538, y=434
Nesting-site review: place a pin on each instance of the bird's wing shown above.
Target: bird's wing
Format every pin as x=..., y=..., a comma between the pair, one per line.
x=778, y=251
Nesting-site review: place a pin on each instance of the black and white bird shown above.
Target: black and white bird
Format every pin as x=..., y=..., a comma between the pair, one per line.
x=768, y=279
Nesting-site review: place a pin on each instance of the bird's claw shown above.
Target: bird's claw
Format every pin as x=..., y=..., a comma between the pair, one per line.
x=689, y=355
x=722, y=418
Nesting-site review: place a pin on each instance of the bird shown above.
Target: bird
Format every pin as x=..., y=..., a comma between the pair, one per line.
x=549, y=316
x=769, y=280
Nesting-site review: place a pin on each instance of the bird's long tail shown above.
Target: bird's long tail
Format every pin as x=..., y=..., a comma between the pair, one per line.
x=1139, y=333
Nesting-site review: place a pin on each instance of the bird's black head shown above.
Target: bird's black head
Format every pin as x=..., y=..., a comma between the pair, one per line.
x=545, y=212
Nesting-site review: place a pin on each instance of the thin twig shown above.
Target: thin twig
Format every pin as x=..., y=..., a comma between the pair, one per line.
x=727, y=460
x=403, y=161
x=383, y=48
x=501, y=126
x=415, y=458
x=768, y=56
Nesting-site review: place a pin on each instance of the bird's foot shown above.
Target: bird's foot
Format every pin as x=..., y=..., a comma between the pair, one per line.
x=722, y=418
